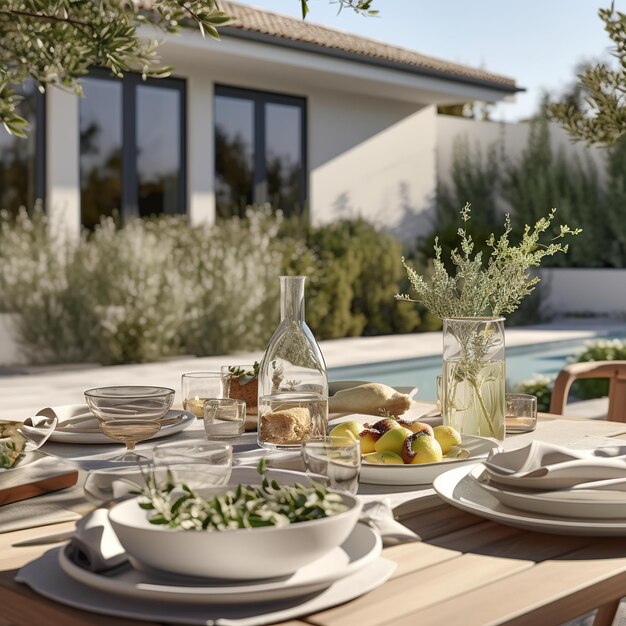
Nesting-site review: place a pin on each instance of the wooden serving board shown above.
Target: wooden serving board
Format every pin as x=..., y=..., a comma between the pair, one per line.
x=43, y=474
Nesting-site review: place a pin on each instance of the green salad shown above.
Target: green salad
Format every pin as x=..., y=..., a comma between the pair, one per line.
x=12, y=444
x=245, y=506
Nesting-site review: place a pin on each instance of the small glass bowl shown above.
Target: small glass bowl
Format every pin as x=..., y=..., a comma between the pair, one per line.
x=129, y=402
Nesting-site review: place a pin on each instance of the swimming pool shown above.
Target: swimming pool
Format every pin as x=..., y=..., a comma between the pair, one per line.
x=522, y=362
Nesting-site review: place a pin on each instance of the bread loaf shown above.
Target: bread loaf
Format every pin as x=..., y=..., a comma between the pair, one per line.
x=289, y=426
x=371, y=399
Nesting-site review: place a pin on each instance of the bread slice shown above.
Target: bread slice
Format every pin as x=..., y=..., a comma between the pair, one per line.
x=371, y=399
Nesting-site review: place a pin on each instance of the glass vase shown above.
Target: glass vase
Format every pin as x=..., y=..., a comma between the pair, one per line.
x=474, y=376
x=293, y=384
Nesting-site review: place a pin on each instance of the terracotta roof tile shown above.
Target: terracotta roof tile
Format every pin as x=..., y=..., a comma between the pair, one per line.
x=281, y=27
x=255, y=23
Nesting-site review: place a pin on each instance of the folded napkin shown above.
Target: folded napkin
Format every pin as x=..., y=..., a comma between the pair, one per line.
x=66, y=411
x=94, y=545
x=379, y=516
x=546, y=466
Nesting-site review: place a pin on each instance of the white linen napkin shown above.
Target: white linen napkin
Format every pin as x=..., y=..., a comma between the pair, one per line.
x=379, y=516
x=94, y=545
x=545, y=466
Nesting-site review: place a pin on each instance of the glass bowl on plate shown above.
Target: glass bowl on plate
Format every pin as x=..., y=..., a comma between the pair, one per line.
x=129, y=414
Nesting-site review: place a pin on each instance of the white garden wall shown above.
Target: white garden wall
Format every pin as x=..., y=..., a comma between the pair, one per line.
x=585, y=291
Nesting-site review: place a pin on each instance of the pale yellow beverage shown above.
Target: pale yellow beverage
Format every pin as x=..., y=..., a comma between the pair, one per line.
x=473, y=401
x=130, y=431
x=195, y=405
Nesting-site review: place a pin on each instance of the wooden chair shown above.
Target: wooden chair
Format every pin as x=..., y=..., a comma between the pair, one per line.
x=615, y=371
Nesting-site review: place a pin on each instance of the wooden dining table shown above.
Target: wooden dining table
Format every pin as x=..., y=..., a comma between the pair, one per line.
x=464, y=570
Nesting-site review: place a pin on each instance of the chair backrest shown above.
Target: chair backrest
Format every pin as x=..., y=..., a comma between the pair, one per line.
x=615, y=371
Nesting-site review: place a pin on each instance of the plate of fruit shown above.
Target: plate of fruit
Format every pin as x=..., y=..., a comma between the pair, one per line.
x=402, y=452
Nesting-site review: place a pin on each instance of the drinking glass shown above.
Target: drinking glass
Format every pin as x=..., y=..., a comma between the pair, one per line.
x=197, y=387
x=129, y=414
x=336, y=458
x=196, y=462
x=521, y=412
x=224, y=418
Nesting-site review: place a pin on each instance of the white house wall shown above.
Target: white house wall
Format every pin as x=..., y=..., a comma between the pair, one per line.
x=372, y=158
x=374, y=148
x=367, y=155
x=62, y=162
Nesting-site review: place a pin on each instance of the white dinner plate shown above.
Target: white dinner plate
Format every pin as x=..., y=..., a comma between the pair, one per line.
x=339, y=385
x=66, y=436
x=361, y=548
x=587, y=504
x=45, y=576
x=425, y=473
x=459, y=488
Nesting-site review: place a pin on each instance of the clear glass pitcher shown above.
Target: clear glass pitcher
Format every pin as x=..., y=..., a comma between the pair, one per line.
x=293, y=383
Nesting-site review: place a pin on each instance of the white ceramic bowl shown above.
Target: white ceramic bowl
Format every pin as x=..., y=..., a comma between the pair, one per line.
x=242, y=554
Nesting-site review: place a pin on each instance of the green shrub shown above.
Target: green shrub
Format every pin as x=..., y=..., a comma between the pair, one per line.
x=51, y=325
x=152, y=289
x=160, y=287
x=474, y=178
x=529, y=186
x=355, y=270
x=541, y=179
x=230, y=273
x=540, y=386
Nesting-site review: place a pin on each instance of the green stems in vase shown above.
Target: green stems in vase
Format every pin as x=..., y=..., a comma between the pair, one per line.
x=474, y=376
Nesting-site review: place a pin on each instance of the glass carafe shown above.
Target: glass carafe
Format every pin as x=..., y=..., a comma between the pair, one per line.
x=293, y=384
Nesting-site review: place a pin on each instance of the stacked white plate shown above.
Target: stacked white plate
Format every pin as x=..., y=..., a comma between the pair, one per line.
x=351, y=570
x=585, y=512
x=136, y=581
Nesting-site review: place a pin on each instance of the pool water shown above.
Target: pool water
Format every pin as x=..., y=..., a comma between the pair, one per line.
x=522, y=362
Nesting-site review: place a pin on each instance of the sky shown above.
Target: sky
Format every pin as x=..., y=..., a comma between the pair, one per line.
x=537, y=42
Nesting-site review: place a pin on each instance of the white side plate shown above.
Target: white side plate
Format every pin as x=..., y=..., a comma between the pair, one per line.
x=66, y=412
x=459, y=488
x=424, y=474
x=580, y=505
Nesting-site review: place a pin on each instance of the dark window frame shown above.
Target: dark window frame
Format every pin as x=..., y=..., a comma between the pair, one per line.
x=259, y=99
x=129, y=191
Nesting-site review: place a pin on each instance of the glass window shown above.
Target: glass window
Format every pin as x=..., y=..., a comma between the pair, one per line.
x=22, y=160
x=283, y=155
x=234, y=154
x=100, y=149
x=259, y=150
x=158, y=150
x=132, y=147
